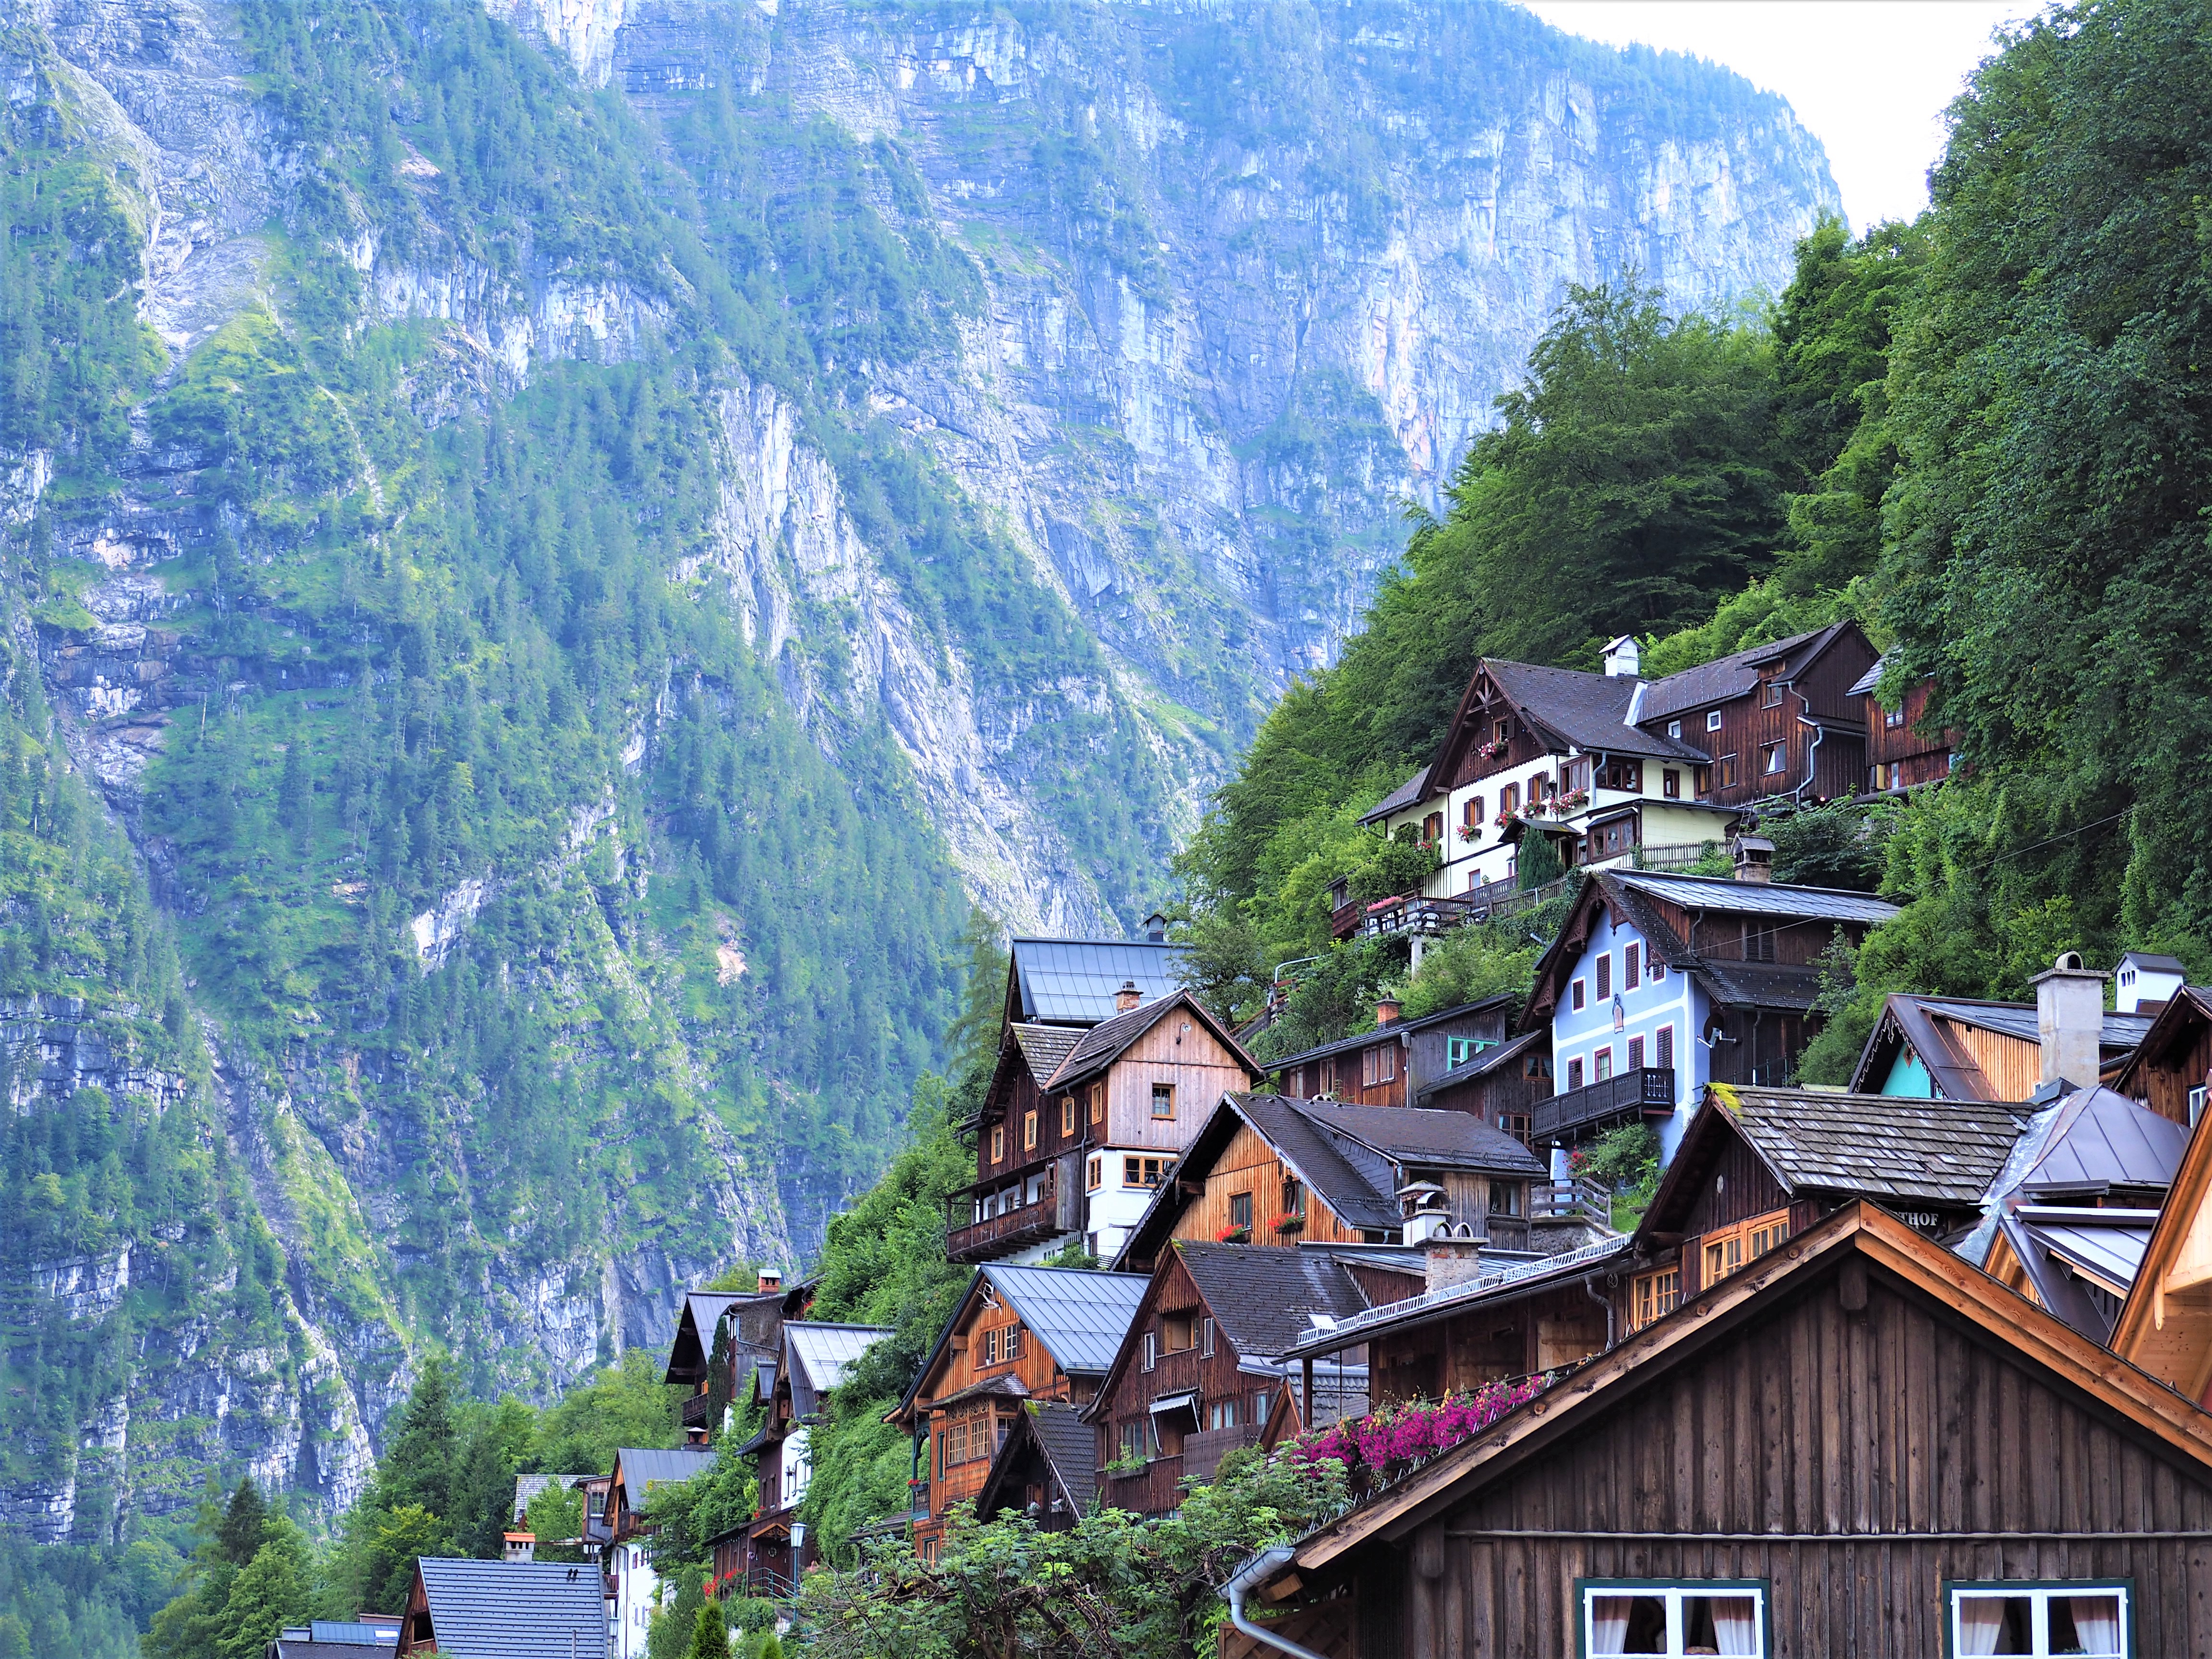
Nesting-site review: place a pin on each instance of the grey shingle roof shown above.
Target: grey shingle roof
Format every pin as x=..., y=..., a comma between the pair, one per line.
x=1044, y=1047
x=1590, y=711
x=1756, y=898
x=1399, y=798
x=1349, y=1178
x=1727, y=676
x=1412, y=1135
x=527, y=1486
x=513, y=1609
x=1071, y=981
x=1071, y=1446
x=1261, y=1295
x=1879, y=1146
x=1079, y=1317
x=644, y=1468
x=1863, y=686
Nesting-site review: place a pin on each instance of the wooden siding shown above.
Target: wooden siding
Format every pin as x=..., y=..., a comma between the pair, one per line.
x=1905, y=741
x=2163, y=1084
x=2013, y=1067
x=1506, y=1338
x=1739, y=1186
x=1749, y=725
x=1806, y=1451
x=1182, y=1053
x=1249, y=1164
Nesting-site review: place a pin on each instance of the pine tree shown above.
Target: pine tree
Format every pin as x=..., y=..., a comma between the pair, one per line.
x=420, y=1466
x=239, y=1537
x=710, y=1637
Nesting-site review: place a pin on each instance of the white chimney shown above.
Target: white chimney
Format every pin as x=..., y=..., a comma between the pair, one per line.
x=1621, y=657
x=2146, y=983
x=2069, y=1017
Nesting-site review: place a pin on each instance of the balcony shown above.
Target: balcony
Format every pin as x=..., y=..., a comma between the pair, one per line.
x=1202, y=1452
x=697, y=1409
x=1627, y=1099
x=969, y=1238
x=1570, y=1200
x=1156, y=1489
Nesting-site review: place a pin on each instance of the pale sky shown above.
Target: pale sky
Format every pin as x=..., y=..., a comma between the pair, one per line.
x=1869, y=78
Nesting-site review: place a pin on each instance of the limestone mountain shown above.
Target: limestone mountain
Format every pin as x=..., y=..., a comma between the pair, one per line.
x=551, y=553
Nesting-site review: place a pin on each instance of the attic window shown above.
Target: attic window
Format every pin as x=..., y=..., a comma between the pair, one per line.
x=1712, y=719
x=1770, y=694
x=1163, y=1100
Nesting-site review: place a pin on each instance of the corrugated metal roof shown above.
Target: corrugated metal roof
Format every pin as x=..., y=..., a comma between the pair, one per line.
x=293, y=1647
x=1886, y=1147
x=827, y=1351
x=513, y=1609
x=1758, y=898
x=350, y=1632
x=2107, y=1245
x=1080, y=1317
x=1262, y=1297
x=1071, y=981
x=644, y=1468
x=2099, y=1141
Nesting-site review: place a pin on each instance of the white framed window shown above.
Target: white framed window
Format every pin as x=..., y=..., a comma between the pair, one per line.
x=2196, y=1105
x=1623, y=1617
x=1712, y=719
x=1673, y=728
x=2090, y=1618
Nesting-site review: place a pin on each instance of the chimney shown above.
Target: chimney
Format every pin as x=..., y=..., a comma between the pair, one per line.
x=770, y=1280
x=1754, y=858
x=1127, y=997
x=1449, y=1259
x=1622, y=658
x=694, y=1436
x=1387, y=1010
x=1156, y=929
x=2069, y=1017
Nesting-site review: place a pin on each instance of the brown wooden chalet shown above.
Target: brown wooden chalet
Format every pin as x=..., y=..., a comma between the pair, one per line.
x=1045, y=1468
x=1270, y=1170
x=1902, y=751
x=1080, y=1124
x=1857, y=1445
x=2165, y=1322
x=1401, y=1059
x=1020, y=1334
x=1197, y=1372
x=744, y=1328
x=2169, y=1069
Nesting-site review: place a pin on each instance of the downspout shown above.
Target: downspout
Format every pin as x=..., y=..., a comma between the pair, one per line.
x=1605, y=1302
x=1812, y=750
x=1262, y=1566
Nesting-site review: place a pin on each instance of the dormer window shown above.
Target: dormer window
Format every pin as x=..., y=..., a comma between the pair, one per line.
x=1674, y=728
x=1770, y=694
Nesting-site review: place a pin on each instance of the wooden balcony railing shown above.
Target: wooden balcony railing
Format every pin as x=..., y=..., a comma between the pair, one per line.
x=697, y=1409
x=1156, y=1489
x=1645, y=1092
x=1571, y=1200
x=1202, y=1452
x=967, y=1239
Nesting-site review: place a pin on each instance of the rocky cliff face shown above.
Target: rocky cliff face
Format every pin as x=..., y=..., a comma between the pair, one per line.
x=1234, y=284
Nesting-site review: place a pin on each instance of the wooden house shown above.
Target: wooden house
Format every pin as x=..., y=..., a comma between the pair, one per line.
x=1958, y=1048
x=1658, y=984
x=1401, y=1059
x=1270, y=1171
x=2169, y=1069
x=1500, y=1085
x=1902, y=751
x=745, y=1327
x=1197, y=1372
x=491, y=1609
x=1080, y=1126
x=1860, y=1444
x=1046, y=1468
x=1019, y=1334
x=631, y=1584
x=2165, y=1322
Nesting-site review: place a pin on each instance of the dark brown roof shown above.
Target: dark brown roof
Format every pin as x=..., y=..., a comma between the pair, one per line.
x=1263, y=1297
x=1403, y=796
x=1104, y=1044
x=1044, y=1047
x=1071, y=1447
x=1589, y=711
x=1415, y=1135
x=1350, y=1177
x=1731, y=676
x=1399, y=1028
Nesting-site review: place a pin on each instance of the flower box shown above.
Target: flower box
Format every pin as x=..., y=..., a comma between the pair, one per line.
x=1289, y=1224
x=1470, y=832
x=1233, y=1235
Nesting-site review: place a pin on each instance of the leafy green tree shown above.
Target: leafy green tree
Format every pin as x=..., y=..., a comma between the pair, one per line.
x=626, y=1404
x=272, y=1590
x=1837, y=845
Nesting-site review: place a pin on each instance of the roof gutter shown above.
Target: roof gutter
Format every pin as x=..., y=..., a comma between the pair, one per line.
x=1262, y=1565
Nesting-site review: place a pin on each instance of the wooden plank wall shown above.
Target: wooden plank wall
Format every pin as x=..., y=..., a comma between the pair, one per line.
x=2164, y=1084
x=2013, y=1067
x=1180, y=1052
x=1740, y=1186
x=1835, y=1431
x=1249, y=1164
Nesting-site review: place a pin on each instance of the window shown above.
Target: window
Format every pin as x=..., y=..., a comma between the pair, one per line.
x=1178, y=1332
x=1638, y=1617
x=1728, y=771
x=1576, y=1000
x=1758, y=943
x=1206, y=1342
x=1294, y=1198
x=1030, y=1130
x=1601, y=1064
x=1670, y=782
x=1509, y=800
x=1094, y=1174
x=1604, y=975
x=1770, y=694
x=1627, y=775
x=1893, y=718
x=1459, y=1050
x=1747, y=1241
x=1631, y=968
x=1470, y=814
x=1132, y=1437
x=1538, y=788
x=1654, y=971
x=1067, y=1114
x=1673, y=728
x=999, y=1145
x=1240, y=1209
x=1575, y=1073
x=1519, y=1125
x=1002, y=1347
x=1223, y=1413
x=1162, y=1100
x=1505, y=1197
x=1151, y=1350
x=1432, y=829
x=1701, y=779
x=1143, y=1171
x=1663, y=1048
x=1653, y=1294
x=1098, y=1101
x=2196, y=1105
x=1712, y=719
x=1772, y=758
x=2089, y=1618
x=1636, y=1054
x=1502, y=731
x=1378, y=1064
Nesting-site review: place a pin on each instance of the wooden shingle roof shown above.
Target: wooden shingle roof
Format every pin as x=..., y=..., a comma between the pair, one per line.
x=1885, y=1147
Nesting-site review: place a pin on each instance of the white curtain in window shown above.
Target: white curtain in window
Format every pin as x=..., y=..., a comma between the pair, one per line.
x=1735, y=1624
x=2097, y=1624
x=1608, y=1624
x=1981, y=1623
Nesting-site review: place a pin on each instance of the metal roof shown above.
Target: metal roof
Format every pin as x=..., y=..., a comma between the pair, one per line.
x=513, y=1609
x=644, y=1468
x=353, y=1633
x=2107, y=1245
x=1760, y=898
x=1515, y=1281
x=1885, y=1147
x=1071, y=981
x=1079, y=1315
x=826, y=1352
x=1395, y=1027
x=2094, y=1140
x=2018, y=1019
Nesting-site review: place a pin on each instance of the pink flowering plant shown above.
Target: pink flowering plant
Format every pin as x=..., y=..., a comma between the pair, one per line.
x=1386, y=1445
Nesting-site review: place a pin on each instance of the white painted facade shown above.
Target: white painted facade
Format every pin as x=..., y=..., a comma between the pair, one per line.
x=637, y=1593
x=1600, y=1039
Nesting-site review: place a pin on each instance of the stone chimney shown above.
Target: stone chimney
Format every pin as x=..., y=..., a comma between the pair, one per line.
x=770, y=1280
x=1622, y=658
x=1127, y=997
x=1387, y=1010
x=1447, y=1260
x=2069, y=1017
x=1754, y=858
